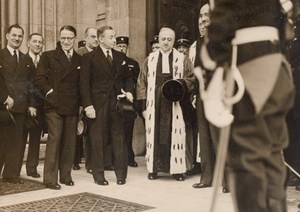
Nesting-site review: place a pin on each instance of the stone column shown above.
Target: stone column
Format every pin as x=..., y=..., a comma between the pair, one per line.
x=23, y=20
x=36, y=16
x=3, y=12
x=49, y=24
x=12, y=11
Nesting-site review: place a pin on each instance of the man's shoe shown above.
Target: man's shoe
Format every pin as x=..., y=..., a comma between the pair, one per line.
x=103, y=182
x=297, y=188
x=121, y=182
x=13, y=180
x=89, y=171
x=53, y=186
x=152, y=176
x=34, y=175
x=225, y=189
x=179, y=177
x=67, y=183
x=132, y=164
x=76, y=167
x=200, y=185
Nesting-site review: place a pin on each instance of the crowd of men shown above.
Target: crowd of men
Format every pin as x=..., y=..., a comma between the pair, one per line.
x=100, y=84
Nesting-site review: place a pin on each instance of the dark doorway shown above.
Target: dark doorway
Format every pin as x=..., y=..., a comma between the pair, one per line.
x=180, y=15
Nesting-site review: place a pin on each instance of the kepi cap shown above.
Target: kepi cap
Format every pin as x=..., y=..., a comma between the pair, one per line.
x=81, y=43
x=183, y=42
x=122, y=39
x=154, y=40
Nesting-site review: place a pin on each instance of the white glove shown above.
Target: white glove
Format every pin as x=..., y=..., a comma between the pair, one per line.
x=128, y=95
x=32, y=111
x=194, y=101
x=10, y=103
x=90, y=112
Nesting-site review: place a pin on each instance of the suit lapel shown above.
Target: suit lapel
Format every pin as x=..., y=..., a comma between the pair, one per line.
x=23, y=63
x=8, y=58
x=102, y=62
x=62, y=59
x=73, y=64
x=117, y=62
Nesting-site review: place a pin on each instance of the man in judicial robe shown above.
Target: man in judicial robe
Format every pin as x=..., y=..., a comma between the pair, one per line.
x=165, y=127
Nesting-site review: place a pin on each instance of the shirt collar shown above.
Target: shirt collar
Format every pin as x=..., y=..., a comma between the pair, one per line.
x=71, y=52
x=89, y=49
x=11, y=50
x=32, y=55
x=105, y=50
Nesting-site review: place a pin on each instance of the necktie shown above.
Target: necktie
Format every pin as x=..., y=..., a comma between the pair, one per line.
x=69, y=56
x=15, y=56
x=35, y=61
x=109, y=58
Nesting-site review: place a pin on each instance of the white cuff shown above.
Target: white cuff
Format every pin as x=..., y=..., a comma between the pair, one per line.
x=50, y=91
x=88, y=107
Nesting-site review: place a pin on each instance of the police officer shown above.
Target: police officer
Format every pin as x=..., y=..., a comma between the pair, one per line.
x=154, y=43
x=122, y=43
x=183, y=45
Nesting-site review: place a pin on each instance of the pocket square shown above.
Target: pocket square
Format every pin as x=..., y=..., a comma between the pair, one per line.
x=124, y=62
x=78, y=67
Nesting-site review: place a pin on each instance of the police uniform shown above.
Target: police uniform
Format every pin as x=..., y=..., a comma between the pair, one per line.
x=258, y=133
x=182, y=43
x=154, y=41
x=134, y=68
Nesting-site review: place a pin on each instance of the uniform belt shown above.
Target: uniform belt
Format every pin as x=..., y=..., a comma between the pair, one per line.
x=255, y=34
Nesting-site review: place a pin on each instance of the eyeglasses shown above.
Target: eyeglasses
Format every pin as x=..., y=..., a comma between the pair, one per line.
x=66, y=38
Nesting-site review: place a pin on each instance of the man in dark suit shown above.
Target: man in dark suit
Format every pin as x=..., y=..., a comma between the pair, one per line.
x=15, y=72
x=89, y=43
x=122, y=46
x=58, y=79
x=35, y=120
x=105, y=78
x=207, y=141
x=3, y=118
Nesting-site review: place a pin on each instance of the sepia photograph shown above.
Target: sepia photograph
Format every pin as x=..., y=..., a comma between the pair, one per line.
x=150, y=105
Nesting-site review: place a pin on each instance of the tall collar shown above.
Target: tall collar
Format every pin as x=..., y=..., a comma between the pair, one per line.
x=165, y=53
x=89, y=49
x=11, y=50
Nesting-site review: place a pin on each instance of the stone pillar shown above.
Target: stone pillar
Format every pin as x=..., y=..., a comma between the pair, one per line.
x=49, y=24
x=12, y=12
x=3, y=12
x=23, y=20
x=86, y=15
x=36, y=16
